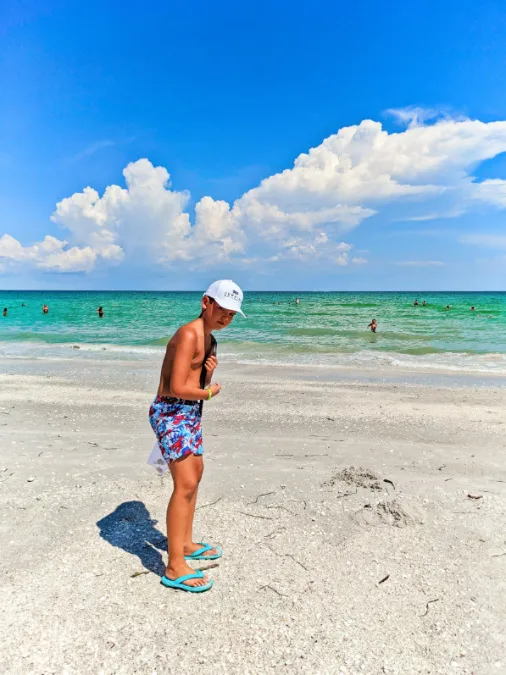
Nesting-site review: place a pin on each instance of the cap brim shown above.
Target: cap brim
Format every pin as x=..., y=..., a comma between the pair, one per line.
x=228, y=305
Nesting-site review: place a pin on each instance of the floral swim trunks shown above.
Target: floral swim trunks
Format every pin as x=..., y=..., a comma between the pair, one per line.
x=178, y=427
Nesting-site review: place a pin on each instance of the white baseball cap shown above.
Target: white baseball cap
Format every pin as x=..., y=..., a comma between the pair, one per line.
x=227, y=294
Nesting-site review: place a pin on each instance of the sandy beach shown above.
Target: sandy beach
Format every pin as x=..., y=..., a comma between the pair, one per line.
x=362, y=517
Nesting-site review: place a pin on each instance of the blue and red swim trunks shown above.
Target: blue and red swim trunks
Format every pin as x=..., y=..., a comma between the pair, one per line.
x=178, y=427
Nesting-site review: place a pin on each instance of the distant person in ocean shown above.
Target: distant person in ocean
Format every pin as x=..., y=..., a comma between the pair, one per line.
x=45, y=309
x=100, y=311
x=415, y=304
x=176, y=418
x=23, y=304
x=424, y=304
x=5, y=311
x=472, y=308
x=297, y=301
x=447, y=306
x=373, y=325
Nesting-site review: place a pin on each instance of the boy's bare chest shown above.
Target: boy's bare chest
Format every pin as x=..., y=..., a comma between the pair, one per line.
x=198, y=360
x=200, y=354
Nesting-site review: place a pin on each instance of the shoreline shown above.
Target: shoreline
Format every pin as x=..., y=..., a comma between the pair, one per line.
x=321, y=372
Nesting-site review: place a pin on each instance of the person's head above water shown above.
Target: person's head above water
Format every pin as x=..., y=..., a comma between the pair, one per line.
x=220, y=303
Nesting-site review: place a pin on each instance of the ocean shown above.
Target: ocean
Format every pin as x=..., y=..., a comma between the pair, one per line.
x=324, y=329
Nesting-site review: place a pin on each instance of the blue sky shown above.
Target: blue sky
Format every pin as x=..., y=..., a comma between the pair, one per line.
x=224, y=95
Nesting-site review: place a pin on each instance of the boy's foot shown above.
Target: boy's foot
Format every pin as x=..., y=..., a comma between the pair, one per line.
x=205, y=551
x=175, y=572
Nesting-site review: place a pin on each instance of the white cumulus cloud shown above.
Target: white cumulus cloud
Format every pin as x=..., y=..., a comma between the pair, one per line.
x=49, y=254
x=492, y=191
x=301, y=213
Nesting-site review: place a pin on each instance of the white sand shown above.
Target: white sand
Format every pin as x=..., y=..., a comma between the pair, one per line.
x=298, y=588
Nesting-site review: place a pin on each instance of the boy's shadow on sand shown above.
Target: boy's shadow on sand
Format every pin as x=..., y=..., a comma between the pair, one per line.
x=131, y=528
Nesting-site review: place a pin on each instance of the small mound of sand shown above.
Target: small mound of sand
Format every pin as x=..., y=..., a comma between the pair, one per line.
x=387, y=513
x=359, y=477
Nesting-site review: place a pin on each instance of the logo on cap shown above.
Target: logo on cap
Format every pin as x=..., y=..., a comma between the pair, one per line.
x=234, y=295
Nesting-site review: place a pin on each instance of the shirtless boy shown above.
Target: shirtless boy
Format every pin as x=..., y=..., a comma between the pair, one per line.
x=176, y=418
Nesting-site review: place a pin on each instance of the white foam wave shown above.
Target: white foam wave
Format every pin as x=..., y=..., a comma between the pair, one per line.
x=494, y=364
x=258, y=354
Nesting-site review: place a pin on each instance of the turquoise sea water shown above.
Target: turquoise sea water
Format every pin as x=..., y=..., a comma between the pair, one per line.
x=325, y=328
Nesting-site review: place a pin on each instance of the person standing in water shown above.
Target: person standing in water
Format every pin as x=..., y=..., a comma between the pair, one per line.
x=5, y=311
x=176, y=418
x=45, y=309
x=415, y=304
x=373, y=325
x=100, y=311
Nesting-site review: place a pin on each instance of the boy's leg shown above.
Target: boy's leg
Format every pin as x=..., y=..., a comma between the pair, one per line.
x=189, y=545
x=186, y=474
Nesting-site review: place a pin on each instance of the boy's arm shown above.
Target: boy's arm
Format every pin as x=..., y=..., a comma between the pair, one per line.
x=184, y=352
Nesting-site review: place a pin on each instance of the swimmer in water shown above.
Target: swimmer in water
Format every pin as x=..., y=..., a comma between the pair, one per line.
x=45, y=309
x=424, y=304
x=5, y=311
x=373, y=325
x=447, y=306
x=472, y=309
x=415, y=304
x=297, y=301
x=100, y=311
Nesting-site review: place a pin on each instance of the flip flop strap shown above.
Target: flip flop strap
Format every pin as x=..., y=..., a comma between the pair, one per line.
x=196, y=575
x=200, y=551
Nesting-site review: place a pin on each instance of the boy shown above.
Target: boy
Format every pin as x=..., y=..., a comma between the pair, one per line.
x=373, y=325
x=176, y=417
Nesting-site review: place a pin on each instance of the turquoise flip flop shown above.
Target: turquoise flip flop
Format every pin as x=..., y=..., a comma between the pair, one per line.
x=199, y=554
x=180, y=585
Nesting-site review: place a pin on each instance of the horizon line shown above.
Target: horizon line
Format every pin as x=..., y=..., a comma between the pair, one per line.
x=124, y=290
